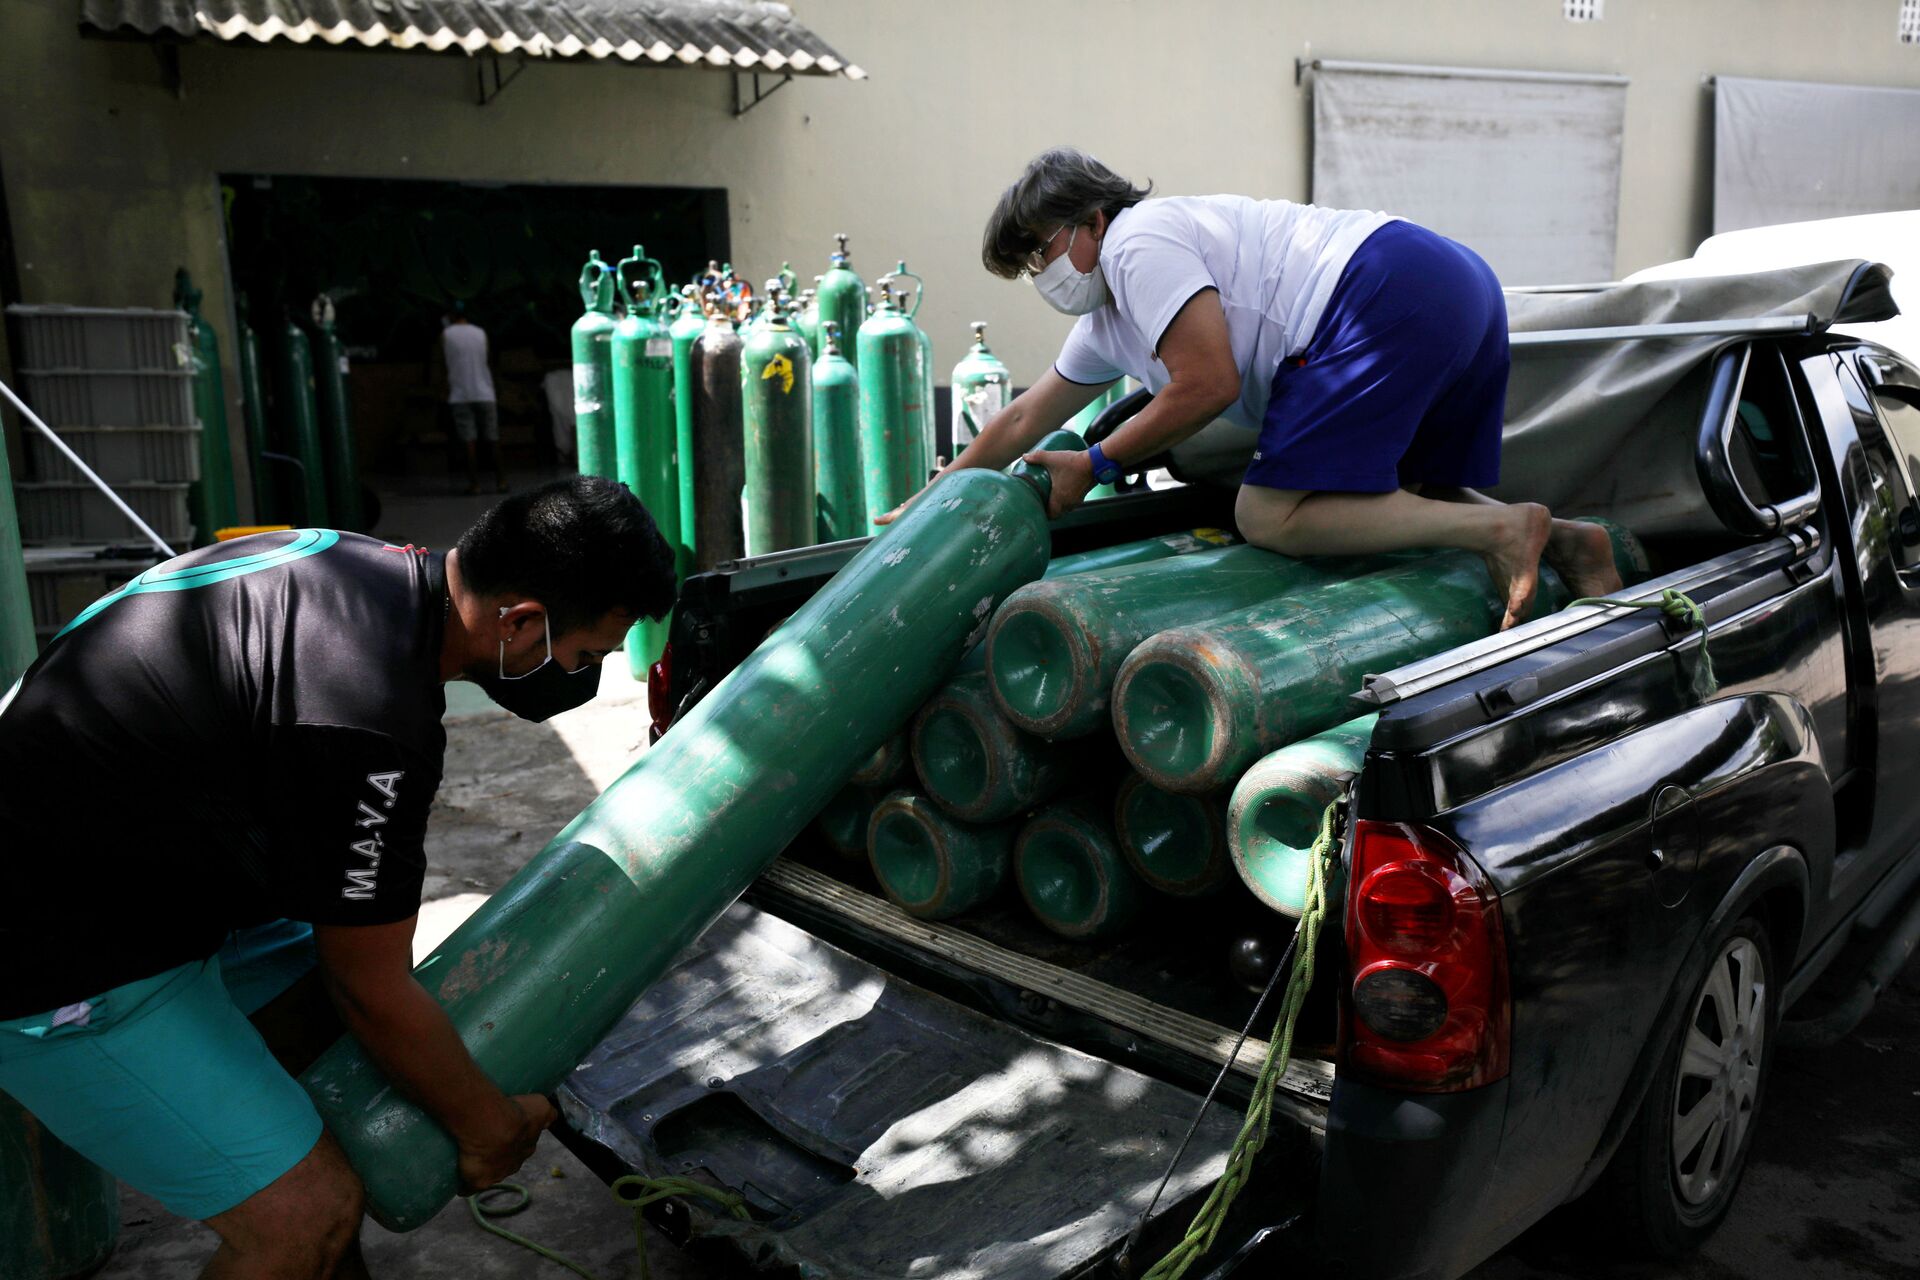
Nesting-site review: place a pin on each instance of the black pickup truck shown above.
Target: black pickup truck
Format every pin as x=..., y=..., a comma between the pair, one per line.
x=1658, y=845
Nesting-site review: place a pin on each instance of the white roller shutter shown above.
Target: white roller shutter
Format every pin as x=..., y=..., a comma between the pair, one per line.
x=1787, y=151
x=1523, y=167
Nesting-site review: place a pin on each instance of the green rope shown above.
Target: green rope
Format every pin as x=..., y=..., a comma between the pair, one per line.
x=1254, y=1130
x=483, y=1212
x=1679, y=606
x=649, y=1191
x=655, y=1189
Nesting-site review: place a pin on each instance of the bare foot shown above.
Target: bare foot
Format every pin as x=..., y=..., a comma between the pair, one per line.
x=1583, y=556
x=1514, y=557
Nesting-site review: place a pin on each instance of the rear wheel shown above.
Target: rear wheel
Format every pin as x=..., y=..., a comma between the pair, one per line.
x=1674, y=1177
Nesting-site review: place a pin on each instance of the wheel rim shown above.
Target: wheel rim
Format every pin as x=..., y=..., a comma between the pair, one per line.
x=1719, y=1081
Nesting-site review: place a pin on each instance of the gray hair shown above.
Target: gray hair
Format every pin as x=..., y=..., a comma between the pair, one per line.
x=1061, y=186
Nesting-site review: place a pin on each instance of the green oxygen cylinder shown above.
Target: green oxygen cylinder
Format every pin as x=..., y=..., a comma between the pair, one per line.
x=885, y=765
x=1273, y=817
x=839, y=487
x=893, y=426
x=1195, y=705
x=1072, y=875
x=535, y=977
x=719, y=458
x=842, y=297
x=253, y=407
x=977, y=766
x=212, y=496
x=336, y=419
x=1056, y=646
x=843, y=823
x=301, y=415
x=644, y=431
x=927, y=400
x=689, y=322
x=60, y=1217
x=18, y=644
x=980, y=387
x=1176, y=844
x=931, y=864
x=776, y=392
x=593, y=372
x=807, y=320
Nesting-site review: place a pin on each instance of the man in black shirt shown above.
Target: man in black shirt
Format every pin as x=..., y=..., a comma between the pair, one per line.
x=250, y=735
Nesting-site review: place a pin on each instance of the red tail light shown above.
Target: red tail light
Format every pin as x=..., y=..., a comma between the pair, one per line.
x=660, y=692
x=1428, y=1007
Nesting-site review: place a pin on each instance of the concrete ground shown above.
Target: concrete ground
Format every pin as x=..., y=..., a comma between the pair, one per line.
x=1832, y=1191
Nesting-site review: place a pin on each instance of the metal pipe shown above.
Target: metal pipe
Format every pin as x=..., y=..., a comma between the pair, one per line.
x=86, y=470
x=1465, y=73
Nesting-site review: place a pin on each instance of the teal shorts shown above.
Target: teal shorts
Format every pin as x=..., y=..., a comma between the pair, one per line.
x=165, y=1083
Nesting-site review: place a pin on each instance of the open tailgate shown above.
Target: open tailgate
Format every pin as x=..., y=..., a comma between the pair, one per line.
x=876, y=1129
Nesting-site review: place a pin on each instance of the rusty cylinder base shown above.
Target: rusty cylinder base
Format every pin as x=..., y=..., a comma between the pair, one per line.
x=1176, y=844
x=975, y=764
x=1274, y=815
x=932, y=865
x=1072, y=875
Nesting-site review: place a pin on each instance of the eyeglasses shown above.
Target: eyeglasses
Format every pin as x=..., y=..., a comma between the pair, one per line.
x=1036, y=262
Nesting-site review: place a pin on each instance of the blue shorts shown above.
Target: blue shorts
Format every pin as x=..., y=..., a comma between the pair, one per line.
x=164, y=1083
x=1405, y=380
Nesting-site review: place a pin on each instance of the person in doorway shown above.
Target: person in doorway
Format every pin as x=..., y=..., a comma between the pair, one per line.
x=470, y=398
x=214, y=788
x=1369, y=353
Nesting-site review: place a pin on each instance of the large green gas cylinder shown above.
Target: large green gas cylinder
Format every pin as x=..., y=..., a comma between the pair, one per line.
x=1195, y=705
x=295, y=400
x=593, y=372
x=980, y=387
x=776, y=390
x=1176, y=844
x=60, y=1215
x=931, y=864
x=719, y=460
x=842, y=298
x=1072, y=875
x=212, y=496
x=336, y=418
x=977, y=766
x=894, y=438
x=838, y=484
x=689, y=322
x=1055, y=648
x=18, y=644
x=540, y=972
x=807, y=318
x=1274, y=815
x=253, y=408
x=912, y=310
x=645, y=446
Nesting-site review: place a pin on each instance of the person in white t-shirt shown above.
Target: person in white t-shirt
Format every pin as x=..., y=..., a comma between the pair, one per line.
x=470, y=399
x=1369, y=353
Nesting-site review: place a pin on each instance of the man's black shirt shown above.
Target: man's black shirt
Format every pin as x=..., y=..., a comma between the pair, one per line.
x=246, y=732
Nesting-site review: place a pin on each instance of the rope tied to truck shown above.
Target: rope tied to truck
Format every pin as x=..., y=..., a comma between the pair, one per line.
x=1254, y=1130
x=1681, y=608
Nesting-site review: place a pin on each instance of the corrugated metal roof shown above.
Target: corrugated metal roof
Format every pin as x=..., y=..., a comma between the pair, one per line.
x=745, y=35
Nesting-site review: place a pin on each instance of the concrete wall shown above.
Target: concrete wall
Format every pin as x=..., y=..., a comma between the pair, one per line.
x=111, y=179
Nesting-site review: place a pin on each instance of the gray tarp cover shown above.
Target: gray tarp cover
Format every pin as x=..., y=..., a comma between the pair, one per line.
x=1608, y=428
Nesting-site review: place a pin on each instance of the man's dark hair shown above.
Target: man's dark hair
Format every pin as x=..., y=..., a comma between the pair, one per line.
x=581, y=546
x=1061, y=187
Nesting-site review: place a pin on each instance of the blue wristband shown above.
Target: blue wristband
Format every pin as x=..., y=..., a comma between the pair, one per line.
x=1104, y=471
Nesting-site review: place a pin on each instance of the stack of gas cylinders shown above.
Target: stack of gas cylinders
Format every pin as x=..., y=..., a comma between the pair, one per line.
x=1167, y=718
x=751, y=421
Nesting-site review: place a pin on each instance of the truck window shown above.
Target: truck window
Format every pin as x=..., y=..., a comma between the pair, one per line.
x=1768, y=458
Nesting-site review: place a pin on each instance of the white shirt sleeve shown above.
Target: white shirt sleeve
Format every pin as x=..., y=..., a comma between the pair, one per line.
x=1083, y=358
x=1155, y=270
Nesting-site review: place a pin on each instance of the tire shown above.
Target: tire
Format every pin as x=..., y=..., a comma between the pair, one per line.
x=1674, y=1177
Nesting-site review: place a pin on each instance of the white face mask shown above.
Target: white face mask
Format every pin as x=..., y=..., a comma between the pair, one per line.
x=1068, y=289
